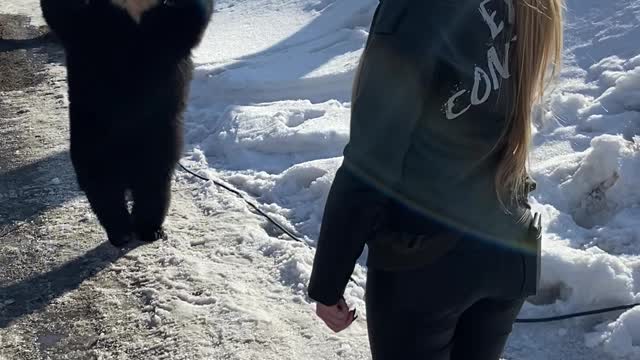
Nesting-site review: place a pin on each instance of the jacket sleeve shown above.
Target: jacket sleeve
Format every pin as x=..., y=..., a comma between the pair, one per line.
x=383, y=119
x=351, y=210
x=387, y=105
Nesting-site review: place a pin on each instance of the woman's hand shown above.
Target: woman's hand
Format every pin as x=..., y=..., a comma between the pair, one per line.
x=337, y=317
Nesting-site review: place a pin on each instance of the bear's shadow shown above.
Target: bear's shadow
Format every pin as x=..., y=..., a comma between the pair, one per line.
x=28, y=191
x=41, y=41
x=36, y=293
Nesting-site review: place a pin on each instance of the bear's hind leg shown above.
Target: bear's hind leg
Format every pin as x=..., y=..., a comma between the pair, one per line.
x=151, y=198
x=107, y=201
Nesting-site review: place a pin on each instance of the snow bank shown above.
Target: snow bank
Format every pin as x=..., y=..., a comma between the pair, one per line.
x=273, y=137
x=305, y=49
x=620, y=338
x=569, y=276
x=587, y=163
x=604, y=182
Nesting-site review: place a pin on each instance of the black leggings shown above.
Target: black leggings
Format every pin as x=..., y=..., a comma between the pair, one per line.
x=460, y=308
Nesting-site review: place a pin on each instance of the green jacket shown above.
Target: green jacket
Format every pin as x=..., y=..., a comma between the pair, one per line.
x=429, y=105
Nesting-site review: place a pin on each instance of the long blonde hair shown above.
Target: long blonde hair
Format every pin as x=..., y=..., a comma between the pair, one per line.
x=539, y=45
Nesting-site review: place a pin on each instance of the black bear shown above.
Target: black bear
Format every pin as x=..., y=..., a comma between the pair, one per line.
x=128, y=70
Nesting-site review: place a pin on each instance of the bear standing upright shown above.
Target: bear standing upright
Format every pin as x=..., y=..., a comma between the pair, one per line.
x=128, y=70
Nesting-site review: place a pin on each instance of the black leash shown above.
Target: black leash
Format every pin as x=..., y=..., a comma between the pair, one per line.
x=298, y=239
x=254, y=207
x=576, y=315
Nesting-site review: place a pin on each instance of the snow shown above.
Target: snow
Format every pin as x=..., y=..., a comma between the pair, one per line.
x=30, y=8
x=587, y=162
x=272, y=137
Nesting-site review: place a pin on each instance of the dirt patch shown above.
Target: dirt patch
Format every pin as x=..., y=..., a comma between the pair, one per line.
x=21, y=68
x=25, y=50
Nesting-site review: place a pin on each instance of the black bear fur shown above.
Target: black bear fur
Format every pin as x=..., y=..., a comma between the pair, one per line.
x=128, y=87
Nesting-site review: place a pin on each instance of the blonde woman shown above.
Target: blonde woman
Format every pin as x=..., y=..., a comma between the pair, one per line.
x=434, y=177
